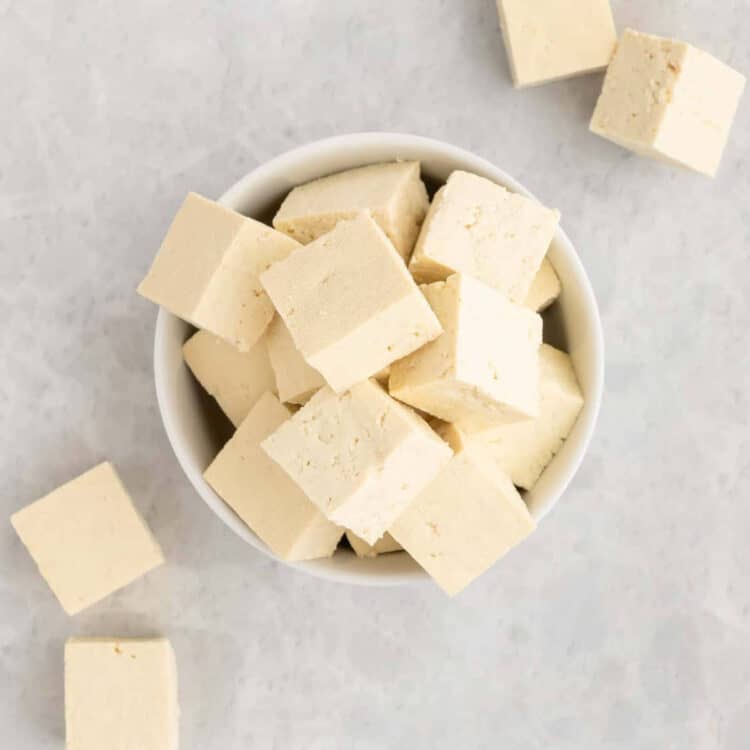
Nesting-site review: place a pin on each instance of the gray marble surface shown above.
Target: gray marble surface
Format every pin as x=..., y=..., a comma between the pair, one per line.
x=623, y=623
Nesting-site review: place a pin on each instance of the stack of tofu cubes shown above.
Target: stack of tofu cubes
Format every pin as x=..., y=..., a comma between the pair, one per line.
x=403, y=416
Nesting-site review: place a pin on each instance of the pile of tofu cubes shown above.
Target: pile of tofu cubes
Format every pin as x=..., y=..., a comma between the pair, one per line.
x=402, y=416
x=661, y=97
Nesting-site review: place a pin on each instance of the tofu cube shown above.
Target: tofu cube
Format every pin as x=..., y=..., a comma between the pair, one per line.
x=551, y=39
x=484, y=369
x=235, y=379
x=121, y=693
x=295, y=379
x=349, y=303
x=522, y=450
x=361, y=457
x=393, y=193
x=545, y=288
x=206, y=271
x=479, y=228
x=668, y=100
x=465, y=520
x=383, y=546
x=87, y=538
x=263, y=496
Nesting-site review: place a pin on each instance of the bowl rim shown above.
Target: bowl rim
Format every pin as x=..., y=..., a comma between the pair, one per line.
x=231, y=197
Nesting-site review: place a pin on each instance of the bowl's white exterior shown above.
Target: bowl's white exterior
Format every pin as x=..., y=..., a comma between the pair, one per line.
x=574, y=324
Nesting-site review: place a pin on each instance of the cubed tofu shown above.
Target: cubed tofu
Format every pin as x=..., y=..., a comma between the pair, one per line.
x=545, y=288
x=551, y=39
x=523, y=449
x=361, y=457
x=465, y=520
x=295, y=379
x=668, y=100
x=87, y=538
x=349, y=303
x=392, y=192
x=479, y=228
x=206, y=271
x=235, y=379
x=484, y=370
x=263, y=496
x=120, y=694
x=383, y=546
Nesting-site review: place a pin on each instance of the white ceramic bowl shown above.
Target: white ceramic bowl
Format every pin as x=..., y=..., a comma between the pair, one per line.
x=196, y=428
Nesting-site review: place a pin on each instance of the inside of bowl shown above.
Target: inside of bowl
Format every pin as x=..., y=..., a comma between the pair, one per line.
x=570, y=324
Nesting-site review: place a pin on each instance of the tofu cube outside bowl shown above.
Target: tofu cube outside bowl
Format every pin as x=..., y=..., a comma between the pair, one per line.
x=196, y=428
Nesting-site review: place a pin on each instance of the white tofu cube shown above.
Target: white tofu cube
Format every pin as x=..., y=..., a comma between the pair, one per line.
x=87, y=538
x=235, y=379
x=545, y=288
x=668, y=100
x=479, y=228
x=383, y=546
x=121, y=693
x=392, y=192
x=523, y=449
x=349, y=303
x=206, y=271
x=466, y=519
x=295, y=379
x=551, y=39
x=263, y=496
x=361, y=457
x=484, y=369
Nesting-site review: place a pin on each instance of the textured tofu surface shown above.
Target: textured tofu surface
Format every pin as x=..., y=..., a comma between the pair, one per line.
x=120, y=694
x=545, y=288
x=484, y=369
x=361, y=457
x=666, y=99
x=349, y=303
x=235, y=379
x=466, y=519
x=87, y=538
x=479, y=228
x=263, y=496
x=552, y=39
x=393, y=192
x=206, y=271
x=295, y=379
x=383, y=546
x=523, y=449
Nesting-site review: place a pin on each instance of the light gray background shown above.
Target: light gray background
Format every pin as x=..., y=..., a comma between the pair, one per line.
x=623, y=623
